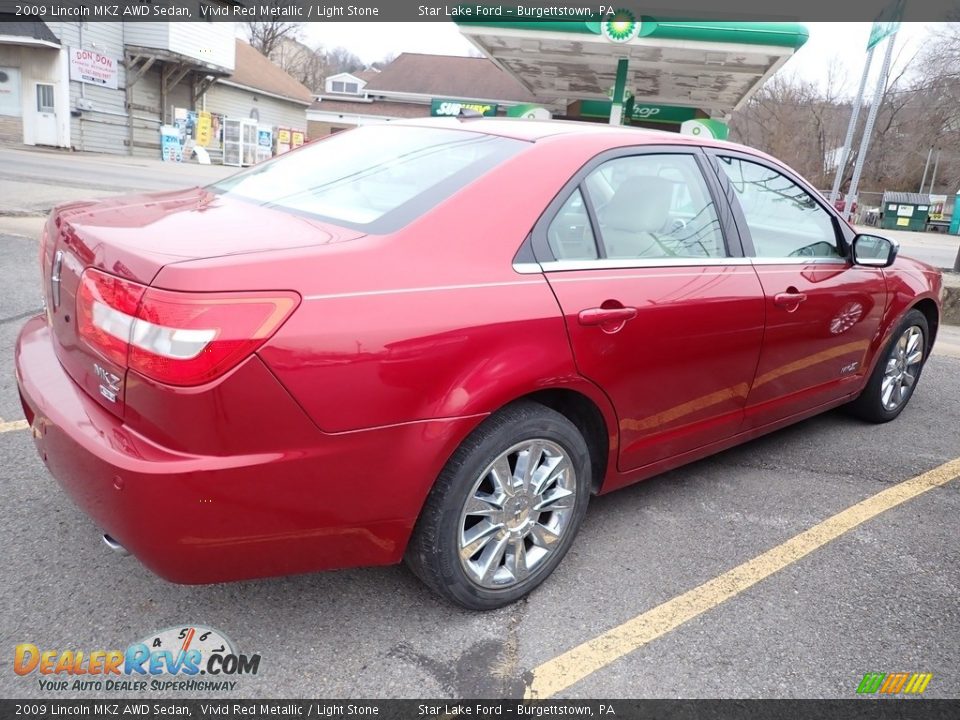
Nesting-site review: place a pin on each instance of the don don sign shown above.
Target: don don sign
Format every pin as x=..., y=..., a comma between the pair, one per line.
x=92, y=67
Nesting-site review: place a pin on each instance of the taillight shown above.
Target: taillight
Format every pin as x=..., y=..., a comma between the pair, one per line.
x=106, y=310
x=177, y=338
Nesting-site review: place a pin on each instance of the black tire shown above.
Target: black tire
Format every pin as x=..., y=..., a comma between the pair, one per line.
x=869, y=404
x=434, y=550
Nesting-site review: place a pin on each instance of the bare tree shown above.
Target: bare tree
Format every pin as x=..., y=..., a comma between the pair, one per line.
x=342, y=60
x=266, y=36
x=804, y=123
x=384, y=61
x=308, y=65
x=940, y=95
x=795, y=121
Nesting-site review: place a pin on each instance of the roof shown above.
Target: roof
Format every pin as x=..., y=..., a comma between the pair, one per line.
x=366, y=75
x=710, y=66
x=382, y=108
x=447, y=76
x=906, y=197
x=29, y=30
x=534, y=130
x=256, y=72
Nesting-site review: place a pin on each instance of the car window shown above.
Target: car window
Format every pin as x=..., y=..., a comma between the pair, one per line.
x=570, y=234
x=783, y=218
x=375, y=178
x=655, y=206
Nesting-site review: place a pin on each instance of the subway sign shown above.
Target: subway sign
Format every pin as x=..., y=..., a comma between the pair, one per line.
x=448, y=108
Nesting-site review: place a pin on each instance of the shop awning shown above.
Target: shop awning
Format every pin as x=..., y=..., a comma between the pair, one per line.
x=711, y=66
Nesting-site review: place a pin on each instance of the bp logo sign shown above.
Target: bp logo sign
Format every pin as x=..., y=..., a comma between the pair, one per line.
x=622, y=27
x=705, y=128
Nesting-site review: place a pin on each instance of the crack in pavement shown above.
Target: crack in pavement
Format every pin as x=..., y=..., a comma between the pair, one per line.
x=21, y=316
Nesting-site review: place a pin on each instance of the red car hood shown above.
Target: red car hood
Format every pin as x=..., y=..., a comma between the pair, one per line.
x=136, y=235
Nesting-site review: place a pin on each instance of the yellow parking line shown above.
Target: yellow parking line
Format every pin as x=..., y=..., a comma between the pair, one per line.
x=13, y=425
x=561, y=672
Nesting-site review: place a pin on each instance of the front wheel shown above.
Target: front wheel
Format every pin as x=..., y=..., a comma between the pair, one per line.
x=897, y=372
x=505, y=509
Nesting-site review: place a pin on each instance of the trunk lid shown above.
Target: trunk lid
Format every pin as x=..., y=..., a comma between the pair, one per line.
x=134, y=237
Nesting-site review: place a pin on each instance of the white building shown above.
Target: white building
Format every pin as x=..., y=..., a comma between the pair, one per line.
x=108, y=87
x=414, y=85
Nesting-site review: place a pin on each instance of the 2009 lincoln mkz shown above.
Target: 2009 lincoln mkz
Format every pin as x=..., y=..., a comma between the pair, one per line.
x=436, y=340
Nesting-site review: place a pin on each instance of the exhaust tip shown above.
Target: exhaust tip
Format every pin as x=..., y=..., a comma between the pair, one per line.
x=114, y=545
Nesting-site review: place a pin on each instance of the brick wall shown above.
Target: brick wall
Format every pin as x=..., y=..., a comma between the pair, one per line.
x=11, y=129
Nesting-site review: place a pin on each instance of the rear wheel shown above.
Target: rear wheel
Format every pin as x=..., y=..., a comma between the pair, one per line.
x=505, y=509
x=896, y=374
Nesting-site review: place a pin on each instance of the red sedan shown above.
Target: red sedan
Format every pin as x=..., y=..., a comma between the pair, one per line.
x=436, y=340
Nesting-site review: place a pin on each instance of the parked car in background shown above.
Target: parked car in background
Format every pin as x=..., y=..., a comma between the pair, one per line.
x=435, y=340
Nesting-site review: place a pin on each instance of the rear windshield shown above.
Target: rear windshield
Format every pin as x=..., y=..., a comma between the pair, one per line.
x=375, y=178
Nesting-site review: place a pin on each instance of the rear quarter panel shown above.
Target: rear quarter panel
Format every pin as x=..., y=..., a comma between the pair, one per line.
x=429, y=322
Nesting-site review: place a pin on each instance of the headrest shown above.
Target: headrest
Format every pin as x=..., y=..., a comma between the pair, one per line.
x=640, y=204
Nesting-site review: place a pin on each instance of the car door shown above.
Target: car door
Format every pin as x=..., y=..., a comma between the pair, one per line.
x=822, y=311
x=662, y=310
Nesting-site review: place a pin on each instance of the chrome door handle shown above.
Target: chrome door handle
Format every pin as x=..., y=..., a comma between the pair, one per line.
x=607, y=316
x=789, y=299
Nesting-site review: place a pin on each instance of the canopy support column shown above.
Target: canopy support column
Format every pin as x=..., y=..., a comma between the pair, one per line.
x=616, y=109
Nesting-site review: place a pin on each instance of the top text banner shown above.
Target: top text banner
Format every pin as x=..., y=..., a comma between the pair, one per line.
x=423, y=10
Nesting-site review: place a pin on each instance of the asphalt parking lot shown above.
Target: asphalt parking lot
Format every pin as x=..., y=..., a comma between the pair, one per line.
x=882, y=597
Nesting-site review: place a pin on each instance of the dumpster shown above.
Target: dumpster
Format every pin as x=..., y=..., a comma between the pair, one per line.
x=905, y=211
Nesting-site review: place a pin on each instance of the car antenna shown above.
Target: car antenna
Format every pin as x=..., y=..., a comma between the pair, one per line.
x=468, y=113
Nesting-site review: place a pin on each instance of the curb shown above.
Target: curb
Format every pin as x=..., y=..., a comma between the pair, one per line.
x=950, y=310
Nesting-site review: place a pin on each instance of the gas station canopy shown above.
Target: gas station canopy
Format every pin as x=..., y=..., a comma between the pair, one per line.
x=712, y=67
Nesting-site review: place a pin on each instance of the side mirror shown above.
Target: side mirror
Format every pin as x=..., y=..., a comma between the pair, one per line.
x=874, y=251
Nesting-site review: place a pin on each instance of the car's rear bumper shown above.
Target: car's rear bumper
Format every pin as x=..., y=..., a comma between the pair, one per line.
x=349, y=499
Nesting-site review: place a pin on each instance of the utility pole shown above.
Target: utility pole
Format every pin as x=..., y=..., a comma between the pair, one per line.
x=933, y=179
x=868, y=128
x=851, y=128
x=925, y=168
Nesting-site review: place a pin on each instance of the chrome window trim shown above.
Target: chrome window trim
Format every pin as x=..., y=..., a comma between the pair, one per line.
x=629, y=264
x=800, y=261
x=537, y=244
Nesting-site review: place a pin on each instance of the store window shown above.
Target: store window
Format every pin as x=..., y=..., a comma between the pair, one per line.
x=341, y=86
x=9, y=91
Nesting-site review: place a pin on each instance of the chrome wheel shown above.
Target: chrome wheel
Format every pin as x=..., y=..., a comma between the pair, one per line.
x=902, y=369
x=516, y=513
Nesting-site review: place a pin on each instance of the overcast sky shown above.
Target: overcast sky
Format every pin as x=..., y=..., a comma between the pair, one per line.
x=843, y=42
